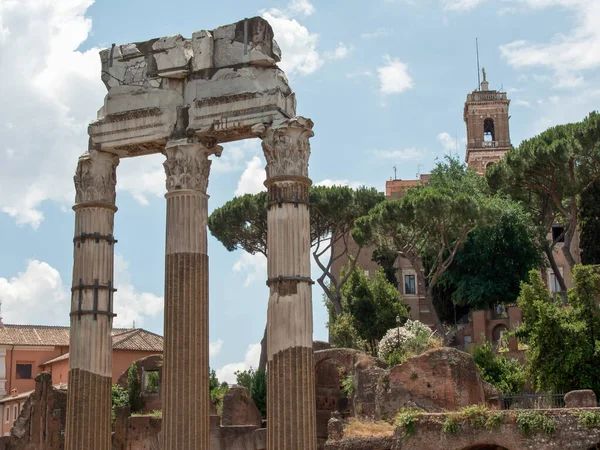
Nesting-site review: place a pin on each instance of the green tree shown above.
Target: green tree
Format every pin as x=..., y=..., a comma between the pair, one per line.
x=256, y=383
x=548, y=174
x=495, y=259
x=371, y=306
x=120, y=396
x=507, y=375
x=563, y=348
x=429, y=224
x=134, y=388
x=241, y=223
x=217, y=391
x=589, y=224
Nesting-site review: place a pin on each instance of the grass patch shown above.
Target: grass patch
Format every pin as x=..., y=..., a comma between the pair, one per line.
x=531, y=421
x=156, y=414
x=357, y=428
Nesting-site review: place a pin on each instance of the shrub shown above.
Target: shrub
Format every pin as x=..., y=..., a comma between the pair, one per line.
x=588, y=419
x=217, y=391
x=134, y=386
x=346, y=385
x=450, y=425
x=506, y=375
x=413, y=338
x=120, y=396
x=530, y=421
x=406, y=420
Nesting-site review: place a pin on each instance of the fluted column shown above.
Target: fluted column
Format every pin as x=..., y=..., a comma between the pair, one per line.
x=291, y=415
x=185, y=388
x=90, y=353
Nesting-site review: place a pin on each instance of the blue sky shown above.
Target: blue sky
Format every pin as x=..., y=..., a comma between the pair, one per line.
x=384, y=81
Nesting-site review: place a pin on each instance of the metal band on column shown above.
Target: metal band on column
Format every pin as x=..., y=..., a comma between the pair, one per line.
x=185, y=389
x=88, y=424
x=291, y=409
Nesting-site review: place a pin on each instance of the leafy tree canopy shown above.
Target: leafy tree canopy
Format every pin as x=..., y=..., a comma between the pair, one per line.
x=547, y=174
x=564, y=342
x=495, y=259
x=370, y=308
x=429, y=223
x=589, y=224
x=507, y=375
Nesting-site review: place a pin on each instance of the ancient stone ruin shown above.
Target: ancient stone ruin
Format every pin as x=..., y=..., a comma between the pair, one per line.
x=182, y=97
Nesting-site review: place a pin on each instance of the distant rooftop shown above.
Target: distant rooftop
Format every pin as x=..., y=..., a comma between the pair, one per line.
x=136, y=339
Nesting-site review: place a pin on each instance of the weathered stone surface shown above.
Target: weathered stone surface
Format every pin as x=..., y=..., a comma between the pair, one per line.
x=429, y=435
x=437, y=380
x=581, y=399
x=225, y=81
x=321, y=345
x=239, y=408
x=42, y=421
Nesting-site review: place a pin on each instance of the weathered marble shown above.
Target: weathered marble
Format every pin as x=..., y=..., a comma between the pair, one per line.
x=219, y=83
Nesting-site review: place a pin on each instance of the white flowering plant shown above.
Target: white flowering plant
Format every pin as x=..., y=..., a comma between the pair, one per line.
x=411, y=339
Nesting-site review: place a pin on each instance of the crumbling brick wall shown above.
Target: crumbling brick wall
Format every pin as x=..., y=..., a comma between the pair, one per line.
x=41, y=423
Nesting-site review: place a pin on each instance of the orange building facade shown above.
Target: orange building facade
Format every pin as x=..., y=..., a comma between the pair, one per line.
x=26, y=350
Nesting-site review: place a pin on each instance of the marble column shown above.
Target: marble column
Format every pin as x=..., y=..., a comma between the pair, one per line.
x=185, y=385
x=291, y=404
x=88, y=424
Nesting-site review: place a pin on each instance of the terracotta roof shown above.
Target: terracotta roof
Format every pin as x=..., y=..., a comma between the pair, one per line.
x=41, y=335
x=21, y=396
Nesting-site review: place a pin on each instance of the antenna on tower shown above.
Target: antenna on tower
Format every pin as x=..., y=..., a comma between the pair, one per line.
x=418, y=171
x=478, y=71
x=395, y=177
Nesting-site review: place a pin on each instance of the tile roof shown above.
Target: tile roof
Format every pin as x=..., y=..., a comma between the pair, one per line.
x=136, y=339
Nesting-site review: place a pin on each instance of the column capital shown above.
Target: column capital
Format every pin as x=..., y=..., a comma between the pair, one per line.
x=96, y=178
x=187, y=166
x=286, y=146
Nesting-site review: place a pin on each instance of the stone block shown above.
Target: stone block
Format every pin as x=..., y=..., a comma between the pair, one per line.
x=203, y=47
x=173, y=55
x=239, y=409
x=585, y=398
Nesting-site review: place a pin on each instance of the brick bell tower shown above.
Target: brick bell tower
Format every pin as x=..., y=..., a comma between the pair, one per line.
x=488, y=136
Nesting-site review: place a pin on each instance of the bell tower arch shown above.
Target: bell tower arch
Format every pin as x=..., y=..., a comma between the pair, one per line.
x=488, y=135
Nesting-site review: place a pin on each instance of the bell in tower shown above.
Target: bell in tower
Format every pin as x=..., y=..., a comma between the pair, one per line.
x=488, y=136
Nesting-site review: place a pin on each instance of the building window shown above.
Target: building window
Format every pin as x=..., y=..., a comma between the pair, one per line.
x=489, y=134
x=16, y=412
x=150, y=381
x=558, y=233
x=410, y=287
x=7, y=414
x=24, y=371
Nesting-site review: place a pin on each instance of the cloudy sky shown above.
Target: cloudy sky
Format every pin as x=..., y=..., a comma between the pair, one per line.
x=383, y=80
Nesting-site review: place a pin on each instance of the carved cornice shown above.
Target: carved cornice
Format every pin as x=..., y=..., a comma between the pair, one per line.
x=96, y=178
x=286, y=146
x=187, y=165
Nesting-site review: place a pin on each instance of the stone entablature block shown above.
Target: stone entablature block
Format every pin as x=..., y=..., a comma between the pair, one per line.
x=219, y=84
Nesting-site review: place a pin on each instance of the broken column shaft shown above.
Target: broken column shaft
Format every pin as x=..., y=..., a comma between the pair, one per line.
x=88, y=423
x=291, y=414
x=185, y=385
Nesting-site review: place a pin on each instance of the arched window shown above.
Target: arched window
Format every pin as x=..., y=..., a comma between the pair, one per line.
x=489, y=135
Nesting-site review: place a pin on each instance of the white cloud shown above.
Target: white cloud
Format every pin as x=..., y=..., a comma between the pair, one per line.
x=298, y=45
x=252, y=179
x=449, y=143
x=254, y=266
x=235, y=155
x=214, y=348
x=394, y=77
x=53, y=91
x=341, y=52
x=406, y=154
x=461, y=5
x=131, y=305
x=36, y=296
x=330, y=183
x=301, y=7
x=251, y=359
x=568, y=54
